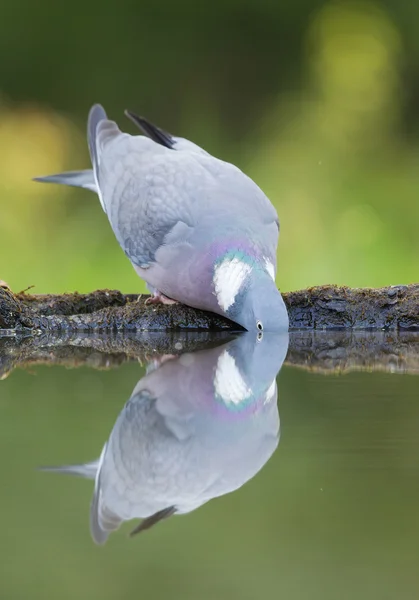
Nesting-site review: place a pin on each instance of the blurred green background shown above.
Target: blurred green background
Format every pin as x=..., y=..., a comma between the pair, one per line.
x=316, y=100
x=319, y=102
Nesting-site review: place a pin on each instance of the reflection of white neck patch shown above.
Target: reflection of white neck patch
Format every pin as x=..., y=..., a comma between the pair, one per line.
x=229, y=277
x=270, y=392
x=228, y=382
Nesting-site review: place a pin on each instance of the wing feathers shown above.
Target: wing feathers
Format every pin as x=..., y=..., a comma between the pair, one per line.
x=154, y=519
x=152, y=131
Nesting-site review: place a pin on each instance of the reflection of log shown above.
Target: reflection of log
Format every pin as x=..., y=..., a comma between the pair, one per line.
x=324, y=352
x=99, y=351
x=326, y=307
x=344, y=351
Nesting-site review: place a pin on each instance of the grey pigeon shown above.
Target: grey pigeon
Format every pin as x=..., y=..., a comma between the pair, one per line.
x=195, y=228
x=196, y=427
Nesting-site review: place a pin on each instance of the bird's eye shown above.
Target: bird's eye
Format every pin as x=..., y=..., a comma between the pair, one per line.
x=259, y=325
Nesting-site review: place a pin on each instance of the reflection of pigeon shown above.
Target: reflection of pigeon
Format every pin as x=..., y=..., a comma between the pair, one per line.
x=197, y=427
x=196, y=229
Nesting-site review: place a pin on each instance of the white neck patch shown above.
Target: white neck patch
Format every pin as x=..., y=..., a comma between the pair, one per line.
x=270, y=268
x=229, y=277
x=228, y=382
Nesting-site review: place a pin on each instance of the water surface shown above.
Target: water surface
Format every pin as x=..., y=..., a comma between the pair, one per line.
x=307, y=489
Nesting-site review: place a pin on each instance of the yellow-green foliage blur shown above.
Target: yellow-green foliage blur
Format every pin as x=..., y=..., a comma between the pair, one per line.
x=313, y=101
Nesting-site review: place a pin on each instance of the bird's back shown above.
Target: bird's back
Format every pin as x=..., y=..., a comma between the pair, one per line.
x=155, y=186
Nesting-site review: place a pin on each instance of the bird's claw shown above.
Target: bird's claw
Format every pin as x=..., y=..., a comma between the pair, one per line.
x=159, y=298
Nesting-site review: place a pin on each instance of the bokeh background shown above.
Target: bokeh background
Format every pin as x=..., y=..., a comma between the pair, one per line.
x=318, y=101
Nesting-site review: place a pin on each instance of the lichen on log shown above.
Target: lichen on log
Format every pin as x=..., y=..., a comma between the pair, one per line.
x=324, y=307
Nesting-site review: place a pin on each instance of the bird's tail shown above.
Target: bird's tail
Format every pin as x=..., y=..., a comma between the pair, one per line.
x=99, y=131
x=87, y=470
x=96, y=116
x=84, y=179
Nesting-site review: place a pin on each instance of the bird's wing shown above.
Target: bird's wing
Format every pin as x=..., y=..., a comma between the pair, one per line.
x=155, y=197
x=153, y=520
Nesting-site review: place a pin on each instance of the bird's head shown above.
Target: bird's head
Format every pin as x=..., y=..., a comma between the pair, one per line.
x=246, y=293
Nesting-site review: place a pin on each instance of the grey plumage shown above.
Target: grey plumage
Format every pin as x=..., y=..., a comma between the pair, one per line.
x=196, y=427
x=196, y=228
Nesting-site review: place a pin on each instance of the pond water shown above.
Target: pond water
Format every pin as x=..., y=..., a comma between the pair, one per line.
x=307, y=487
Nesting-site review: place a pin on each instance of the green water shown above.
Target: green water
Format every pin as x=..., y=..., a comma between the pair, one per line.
x=332, y=514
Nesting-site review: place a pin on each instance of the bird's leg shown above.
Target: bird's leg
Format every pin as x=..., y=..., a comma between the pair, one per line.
x=158, y=361
x=159, y=298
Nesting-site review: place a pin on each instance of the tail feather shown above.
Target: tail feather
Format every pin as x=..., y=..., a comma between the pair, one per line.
x=99, y=132
x=84, y=179
x=96, y=115
x=89, y=178
x=87, y=470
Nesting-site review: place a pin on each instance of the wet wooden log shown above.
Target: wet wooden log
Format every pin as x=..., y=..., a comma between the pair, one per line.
x=103, y=310
x=334, y=307
x=324, y=307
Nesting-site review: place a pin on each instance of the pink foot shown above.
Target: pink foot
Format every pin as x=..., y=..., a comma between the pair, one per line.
x=159, y=298
x=158, y=361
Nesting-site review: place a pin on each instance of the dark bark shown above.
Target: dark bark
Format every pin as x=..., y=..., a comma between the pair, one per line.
x=103, y=310
x=324, y=307
x=333, y=307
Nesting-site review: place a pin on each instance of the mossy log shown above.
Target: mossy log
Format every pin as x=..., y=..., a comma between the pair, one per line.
x=324, y=307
